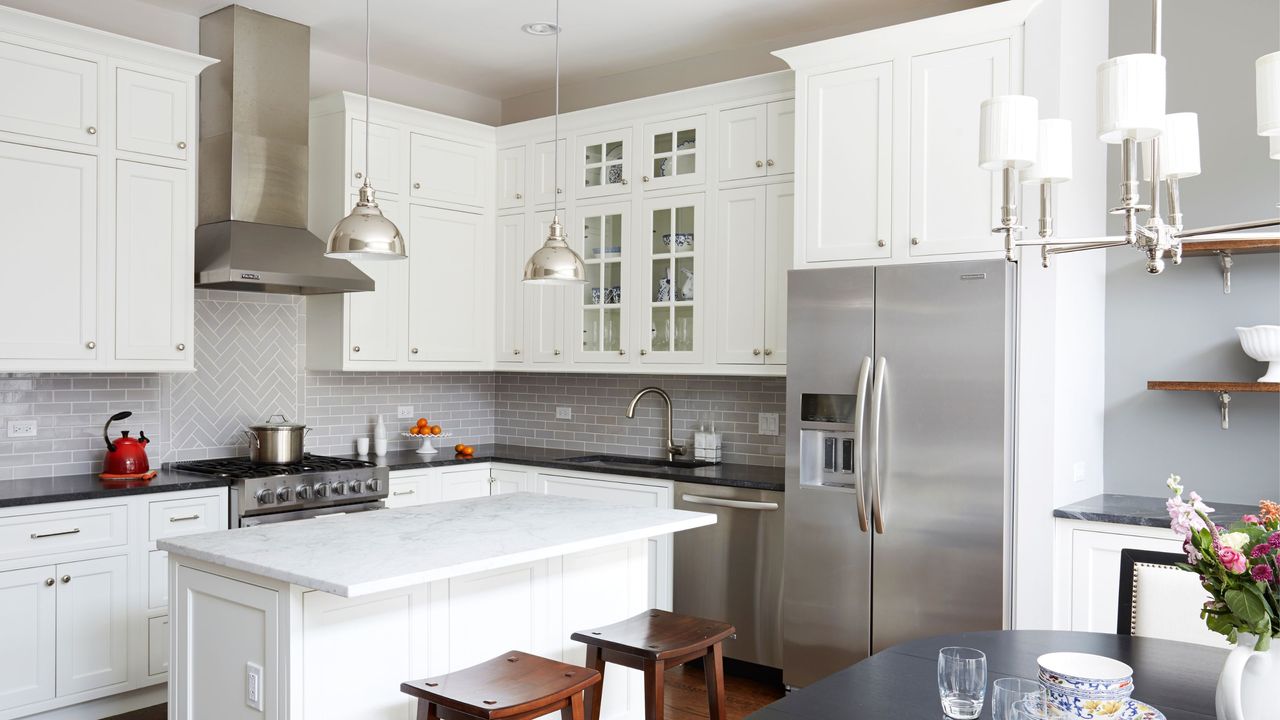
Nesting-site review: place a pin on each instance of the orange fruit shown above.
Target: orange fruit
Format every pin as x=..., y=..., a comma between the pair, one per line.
x=435, y=429
x=414, y=430
x=468, y=450
x=422, y=422
x=459, y=448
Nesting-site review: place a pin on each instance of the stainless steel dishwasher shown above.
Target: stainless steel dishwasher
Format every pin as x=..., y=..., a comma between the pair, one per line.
x=732, y=571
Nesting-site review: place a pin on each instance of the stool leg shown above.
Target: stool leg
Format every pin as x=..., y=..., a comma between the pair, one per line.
x=574, y=711
x=595, y=693
x=427, y=711
x=654, y=676
x=713, y=670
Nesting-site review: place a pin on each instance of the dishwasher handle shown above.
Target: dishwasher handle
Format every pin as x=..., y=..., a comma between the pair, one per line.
x=735, y=504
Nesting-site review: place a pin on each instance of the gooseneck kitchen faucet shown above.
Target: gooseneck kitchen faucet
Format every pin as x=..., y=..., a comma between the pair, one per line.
x=672, y=448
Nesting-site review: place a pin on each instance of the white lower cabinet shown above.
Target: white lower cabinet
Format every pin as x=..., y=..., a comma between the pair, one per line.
x=510, y=481
x=419, y=487
x=27, y=665
x=92, y=621
x=465, y=483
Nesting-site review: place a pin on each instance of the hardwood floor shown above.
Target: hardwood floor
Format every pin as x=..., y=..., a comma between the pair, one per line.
x=686, y=697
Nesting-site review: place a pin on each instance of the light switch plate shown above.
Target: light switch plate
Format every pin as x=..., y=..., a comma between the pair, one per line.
x=404, y=412
x=22, y=428
x=1077, y=471
x=253, y=685
x=767, y=424
x=564, y=413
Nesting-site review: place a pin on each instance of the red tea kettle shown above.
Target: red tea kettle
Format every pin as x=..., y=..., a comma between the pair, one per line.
x=126, y=457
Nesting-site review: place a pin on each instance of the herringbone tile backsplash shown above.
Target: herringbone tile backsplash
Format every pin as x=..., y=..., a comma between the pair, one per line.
x=249, y=364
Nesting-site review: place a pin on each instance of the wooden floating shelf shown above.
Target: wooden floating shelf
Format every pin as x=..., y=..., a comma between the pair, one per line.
x=1239, y=246
x=1212, y=386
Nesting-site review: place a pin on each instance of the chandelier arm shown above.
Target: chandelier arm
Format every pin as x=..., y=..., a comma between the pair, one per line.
x=1058, y=249
x=1230, y=227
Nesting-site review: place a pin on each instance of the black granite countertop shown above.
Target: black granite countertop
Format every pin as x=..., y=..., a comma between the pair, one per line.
x=1142, y=510
x=38, y=491
x=744, y=476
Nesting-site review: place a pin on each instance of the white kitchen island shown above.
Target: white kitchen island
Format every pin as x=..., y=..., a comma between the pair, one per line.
x=332, y=614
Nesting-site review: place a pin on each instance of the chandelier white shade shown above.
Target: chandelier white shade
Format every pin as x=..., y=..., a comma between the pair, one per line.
x=1131, y=95
x=1275, y=147
x=1010, y=132
x=1268, y=79
x=1179, y=148
x=1053, y=156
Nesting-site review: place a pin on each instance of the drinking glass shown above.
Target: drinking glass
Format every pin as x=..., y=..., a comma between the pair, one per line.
x=962, y=681
x=1028, y=710
x=1007, y=691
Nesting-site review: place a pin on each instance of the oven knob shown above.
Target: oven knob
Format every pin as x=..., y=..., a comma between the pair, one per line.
x=322, y=490
x=303, y=492
x=284, y=494
x=371, y=485
x=265, y=496
x=339, y=488
x=355, y=486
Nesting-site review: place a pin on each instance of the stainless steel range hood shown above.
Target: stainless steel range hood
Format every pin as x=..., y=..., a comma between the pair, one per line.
x=252, y=230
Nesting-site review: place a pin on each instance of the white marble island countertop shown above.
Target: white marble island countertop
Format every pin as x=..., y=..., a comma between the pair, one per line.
x=370, y=552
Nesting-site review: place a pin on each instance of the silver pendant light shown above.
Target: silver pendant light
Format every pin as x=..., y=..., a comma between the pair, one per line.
x=366, y=234
x=555, y=263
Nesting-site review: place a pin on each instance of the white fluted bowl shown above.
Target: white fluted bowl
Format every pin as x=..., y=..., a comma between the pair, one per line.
x=1262, y=343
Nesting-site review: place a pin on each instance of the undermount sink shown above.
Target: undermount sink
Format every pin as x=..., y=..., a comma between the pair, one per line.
x=628, y=460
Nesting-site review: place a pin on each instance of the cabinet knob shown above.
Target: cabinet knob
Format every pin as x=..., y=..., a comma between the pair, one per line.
x=759, y=163
x=182, y=347
x=48, y=582
x=91, y=344
x=559, y=191
x=621, y=351
x=355, y=348
x=755, y=351
x=91, y=130
x=359, y=175
x=624, y=181
x=644, y=178
x=769, y=163
x=519, y=196
x=881, y=243
x=644, y=351
x=515, y=352
x=417, y=186
x=182, y=144
x=66, y=579
x=413, y=350
x=768, y=352
x=915, y=241
x=556, y=352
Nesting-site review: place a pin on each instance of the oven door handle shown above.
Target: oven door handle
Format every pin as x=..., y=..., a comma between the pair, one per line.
x=735, y=504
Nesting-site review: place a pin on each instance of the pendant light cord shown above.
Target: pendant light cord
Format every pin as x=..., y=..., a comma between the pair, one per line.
x=555, y=139
x=368, y=127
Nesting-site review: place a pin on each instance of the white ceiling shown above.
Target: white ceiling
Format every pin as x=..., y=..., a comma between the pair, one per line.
x=477, y=45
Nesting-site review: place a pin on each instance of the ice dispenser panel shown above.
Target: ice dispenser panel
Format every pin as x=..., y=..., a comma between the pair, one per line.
x=828, y=447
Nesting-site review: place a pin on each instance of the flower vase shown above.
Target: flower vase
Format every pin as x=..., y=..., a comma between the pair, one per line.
x=1246, y=687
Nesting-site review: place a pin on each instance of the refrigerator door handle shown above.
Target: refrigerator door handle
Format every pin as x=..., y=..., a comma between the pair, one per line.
x=859, y=422
x=877, y=401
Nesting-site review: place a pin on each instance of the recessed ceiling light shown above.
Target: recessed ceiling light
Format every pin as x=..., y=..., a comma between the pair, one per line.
x=541, y=28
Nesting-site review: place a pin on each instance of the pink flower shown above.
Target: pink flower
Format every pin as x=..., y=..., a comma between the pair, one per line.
x=1274, y=540
x=1232, y=560
x=1260, y=550
x=1262, y=573
x=1193, y=555
x=1251, y=519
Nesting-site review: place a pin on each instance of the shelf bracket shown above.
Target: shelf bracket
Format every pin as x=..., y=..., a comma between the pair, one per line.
x=1224, y=403
x=1225, y=262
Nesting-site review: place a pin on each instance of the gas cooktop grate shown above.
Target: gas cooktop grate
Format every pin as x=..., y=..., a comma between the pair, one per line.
x=245, y=469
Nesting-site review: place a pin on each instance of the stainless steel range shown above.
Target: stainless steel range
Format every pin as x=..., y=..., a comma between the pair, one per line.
x=318, y=485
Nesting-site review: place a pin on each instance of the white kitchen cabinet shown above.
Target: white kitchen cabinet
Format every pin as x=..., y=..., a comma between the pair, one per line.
x=754, y=225
x=28, y=633
x=450, y=282
x=603, y=163
x=954, y=203
x=509, y=480
x=92, y=621
x=510, y=252
x=49, y=93
x=633, y=494
x=672, y=263
x=383, y=171
x=548, y=183
x=376, y=320
x=511, y=177
x=757, y=140
x=544, y=305
x=154, y=271
x=152, y=114
x=849, y=158
x=158, y=645
x=603, y=307
x=674, y=153
x=49, y=266
x=460, y=483
x=413, y=487
x=448, y=171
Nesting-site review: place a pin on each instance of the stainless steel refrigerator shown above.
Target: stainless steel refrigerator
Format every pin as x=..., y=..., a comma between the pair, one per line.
x=899, y=458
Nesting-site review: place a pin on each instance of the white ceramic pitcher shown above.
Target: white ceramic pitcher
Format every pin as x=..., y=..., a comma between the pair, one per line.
x=1247, y=685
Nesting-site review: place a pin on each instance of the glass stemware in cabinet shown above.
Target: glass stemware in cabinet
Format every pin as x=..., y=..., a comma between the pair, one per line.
x=673, y=278
x=603, y=296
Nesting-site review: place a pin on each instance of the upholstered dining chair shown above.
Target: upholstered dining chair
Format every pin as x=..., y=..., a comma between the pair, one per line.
x=1160, y=600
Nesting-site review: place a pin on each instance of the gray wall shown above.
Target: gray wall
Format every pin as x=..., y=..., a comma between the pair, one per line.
x=1179, y=325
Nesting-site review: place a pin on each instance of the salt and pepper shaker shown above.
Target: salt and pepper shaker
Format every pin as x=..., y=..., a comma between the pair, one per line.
x=706, y=441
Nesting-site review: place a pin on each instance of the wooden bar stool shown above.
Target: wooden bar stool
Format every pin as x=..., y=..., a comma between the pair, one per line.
x=654, y=641
x=512, y=686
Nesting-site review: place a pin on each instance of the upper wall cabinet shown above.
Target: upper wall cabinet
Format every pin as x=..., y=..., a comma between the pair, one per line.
x=510, y=254
x=449, y=254
x=511, y=179
x=675, y=153
x=603, y=163
x=151, y=114
x=51, y=94
x=549, y=171
x=757, y=141
x=754, y=225
x=383, y=172
x=98, y=183
x=448, y=171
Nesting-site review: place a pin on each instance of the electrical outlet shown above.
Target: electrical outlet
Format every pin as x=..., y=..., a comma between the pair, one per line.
x=767, y=424
x=564, y=413
x=1077, y=471
x=404, y=412
x=22, y=428
x=253, y=685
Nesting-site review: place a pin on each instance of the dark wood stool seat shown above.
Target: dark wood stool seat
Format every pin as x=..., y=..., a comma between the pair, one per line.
x=512, y=686
x=653, y=642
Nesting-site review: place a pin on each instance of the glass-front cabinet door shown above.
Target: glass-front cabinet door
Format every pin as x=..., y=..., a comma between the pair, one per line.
x=604, y=241
x=674, y=152
x=674, y=270
x=604, y=163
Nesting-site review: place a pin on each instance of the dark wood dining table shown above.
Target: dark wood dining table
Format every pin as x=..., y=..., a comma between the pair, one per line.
x=900, y=683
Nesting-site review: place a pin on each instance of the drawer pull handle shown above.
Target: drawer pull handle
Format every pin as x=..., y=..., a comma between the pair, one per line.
x=403, y=492
x=184, y=518
x=727, y=503
x=37, y=536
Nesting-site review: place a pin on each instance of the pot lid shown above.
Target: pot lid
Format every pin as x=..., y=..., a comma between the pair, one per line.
x=281, y=425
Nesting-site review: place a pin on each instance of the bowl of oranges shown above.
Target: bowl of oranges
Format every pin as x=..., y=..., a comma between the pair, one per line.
x=426, y=434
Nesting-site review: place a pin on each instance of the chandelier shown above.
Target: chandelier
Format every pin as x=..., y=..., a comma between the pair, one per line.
x=1131, y=114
